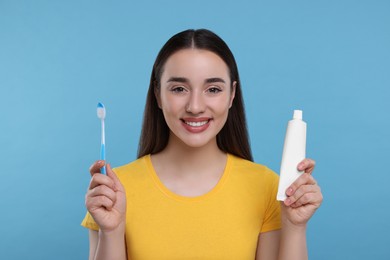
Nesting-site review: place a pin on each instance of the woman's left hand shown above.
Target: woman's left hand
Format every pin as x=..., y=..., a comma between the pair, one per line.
x=304, y=196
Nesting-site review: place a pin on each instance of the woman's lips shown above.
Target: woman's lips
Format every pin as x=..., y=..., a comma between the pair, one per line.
x=196, y=125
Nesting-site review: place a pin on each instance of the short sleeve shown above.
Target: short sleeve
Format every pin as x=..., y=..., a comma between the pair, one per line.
x=89, y=222
x=272, y=218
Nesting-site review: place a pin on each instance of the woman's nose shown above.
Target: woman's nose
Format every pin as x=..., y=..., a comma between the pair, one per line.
x=195, y=104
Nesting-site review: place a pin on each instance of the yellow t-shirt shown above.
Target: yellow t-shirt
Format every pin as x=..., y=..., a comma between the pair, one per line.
x=222, y=224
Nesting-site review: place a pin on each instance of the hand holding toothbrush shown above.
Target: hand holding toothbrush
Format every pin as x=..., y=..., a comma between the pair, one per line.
x=106, y=199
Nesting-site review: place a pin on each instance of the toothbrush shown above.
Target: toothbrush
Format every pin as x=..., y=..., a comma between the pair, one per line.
x=101, y=113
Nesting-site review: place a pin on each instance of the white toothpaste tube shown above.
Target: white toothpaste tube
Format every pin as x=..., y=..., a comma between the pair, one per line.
x=294, y=151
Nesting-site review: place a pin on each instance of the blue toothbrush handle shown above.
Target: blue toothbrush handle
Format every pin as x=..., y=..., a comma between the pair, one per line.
x=103, y=157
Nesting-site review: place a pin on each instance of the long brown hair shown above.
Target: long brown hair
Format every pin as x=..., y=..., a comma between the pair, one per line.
x=233, y=137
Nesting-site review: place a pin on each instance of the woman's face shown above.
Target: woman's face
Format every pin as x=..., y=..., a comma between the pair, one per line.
x=195, y=96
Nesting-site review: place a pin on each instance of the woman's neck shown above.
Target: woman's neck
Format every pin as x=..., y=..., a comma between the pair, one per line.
x=193, y=155
x=191, y=160
x=190, y=171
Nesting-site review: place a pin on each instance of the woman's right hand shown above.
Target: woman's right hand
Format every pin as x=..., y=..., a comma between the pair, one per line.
x=106, y=198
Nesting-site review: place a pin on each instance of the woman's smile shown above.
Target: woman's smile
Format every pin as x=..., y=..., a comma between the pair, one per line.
x=196, y=125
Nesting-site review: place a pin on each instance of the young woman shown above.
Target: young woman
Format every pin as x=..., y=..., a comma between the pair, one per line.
x=194, y=192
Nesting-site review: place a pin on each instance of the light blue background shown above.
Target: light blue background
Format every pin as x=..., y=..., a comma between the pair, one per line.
x=58, y=59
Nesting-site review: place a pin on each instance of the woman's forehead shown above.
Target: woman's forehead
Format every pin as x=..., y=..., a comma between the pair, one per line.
x=195, y=63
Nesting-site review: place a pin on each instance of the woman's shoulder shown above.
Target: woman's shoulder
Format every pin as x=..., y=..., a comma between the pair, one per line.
x=244, y=166
x=134, y=168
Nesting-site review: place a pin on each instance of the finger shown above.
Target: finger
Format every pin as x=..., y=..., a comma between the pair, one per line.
x=306, y=199
x=95, y=167
x=112, y=175
x=102, y=190
x=307, y=165
x=97, y=202
x=312, y=198
x=304, y=179
x=101, y=179
x=301, y=194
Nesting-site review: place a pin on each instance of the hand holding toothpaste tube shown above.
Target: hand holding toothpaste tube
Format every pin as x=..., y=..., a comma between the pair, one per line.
x=304, y=196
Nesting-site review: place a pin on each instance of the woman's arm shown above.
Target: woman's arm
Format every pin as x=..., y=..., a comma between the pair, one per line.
x=93, y=242
x=103, y=245
x=304, y=197
x=268, y=245
x=288, y=243
x=293, y=242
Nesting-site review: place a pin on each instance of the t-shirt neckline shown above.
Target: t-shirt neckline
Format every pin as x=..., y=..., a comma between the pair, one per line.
x=167, y=192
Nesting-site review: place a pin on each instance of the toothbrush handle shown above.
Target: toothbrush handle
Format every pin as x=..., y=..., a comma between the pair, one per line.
x=103, y=148
x=103, y=157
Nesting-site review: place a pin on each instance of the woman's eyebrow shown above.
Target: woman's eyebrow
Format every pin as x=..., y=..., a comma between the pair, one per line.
x=185, y=80
x=178, y=79
x=214, y=80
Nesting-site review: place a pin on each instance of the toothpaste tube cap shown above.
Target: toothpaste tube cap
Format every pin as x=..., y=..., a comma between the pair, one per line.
x=297, y=114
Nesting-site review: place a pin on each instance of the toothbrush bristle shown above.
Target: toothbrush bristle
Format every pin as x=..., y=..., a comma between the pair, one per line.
x=101, y=111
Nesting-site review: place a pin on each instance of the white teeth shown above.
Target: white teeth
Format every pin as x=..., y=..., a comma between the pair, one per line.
x=196, y=123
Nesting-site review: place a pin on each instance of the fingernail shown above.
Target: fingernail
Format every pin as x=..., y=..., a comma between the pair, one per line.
x=289, y=191
x=301, y=165
x=287, y=201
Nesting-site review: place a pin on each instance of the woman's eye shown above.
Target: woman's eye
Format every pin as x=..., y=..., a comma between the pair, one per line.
x=214, y=90
x=177, y=89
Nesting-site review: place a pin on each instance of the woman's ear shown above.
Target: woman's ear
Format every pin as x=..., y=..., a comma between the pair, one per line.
x=233, y=93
